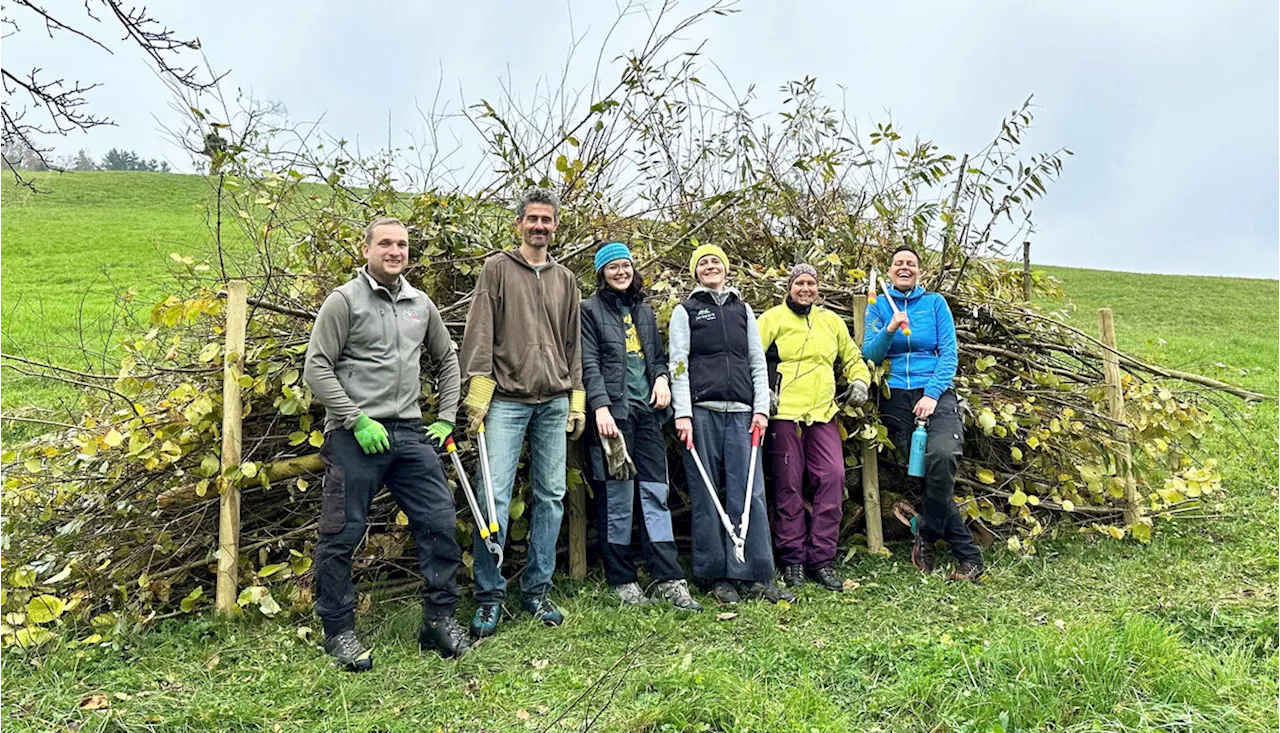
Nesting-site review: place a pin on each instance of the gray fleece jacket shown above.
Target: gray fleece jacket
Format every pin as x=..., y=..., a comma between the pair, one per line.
x=678, y=360
x=365, y=349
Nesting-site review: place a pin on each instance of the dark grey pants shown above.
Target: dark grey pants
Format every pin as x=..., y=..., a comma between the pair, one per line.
x=723, y=440
x=941, y=519
x=412, y=471
x=615, y=504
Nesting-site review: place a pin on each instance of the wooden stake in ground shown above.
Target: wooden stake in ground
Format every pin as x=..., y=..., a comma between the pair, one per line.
x=1115, y=406
x=229, y=516
x=577, y=511
x=870, y=469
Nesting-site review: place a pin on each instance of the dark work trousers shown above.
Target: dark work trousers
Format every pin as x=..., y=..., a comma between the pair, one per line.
x=723, y=440
x=412, y=471
x=615, y=502
x=941, y=518
x=797, y=452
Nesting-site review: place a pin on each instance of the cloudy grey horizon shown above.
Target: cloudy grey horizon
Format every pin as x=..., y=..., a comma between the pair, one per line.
x=1172, y=110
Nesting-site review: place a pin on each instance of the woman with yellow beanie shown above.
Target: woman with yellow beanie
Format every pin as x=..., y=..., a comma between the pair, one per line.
x=720, y=392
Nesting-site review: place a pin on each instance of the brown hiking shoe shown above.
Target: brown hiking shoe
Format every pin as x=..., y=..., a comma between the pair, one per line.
x=967, y=571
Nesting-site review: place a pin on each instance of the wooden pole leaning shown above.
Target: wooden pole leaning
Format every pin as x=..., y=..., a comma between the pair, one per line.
x=1026, y=271
x=232, y=412
x=870, y=469
x=1115, y=407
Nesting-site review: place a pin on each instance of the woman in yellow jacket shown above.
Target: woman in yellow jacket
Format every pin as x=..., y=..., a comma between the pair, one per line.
x=805, y=340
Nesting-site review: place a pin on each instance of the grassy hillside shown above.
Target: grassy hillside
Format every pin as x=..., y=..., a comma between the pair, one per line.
x=68, y=254
x=1088, y=635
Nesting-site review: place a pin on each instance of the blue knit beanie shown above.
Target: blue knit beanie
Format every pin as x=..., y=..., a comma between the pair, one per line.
x=610, y=252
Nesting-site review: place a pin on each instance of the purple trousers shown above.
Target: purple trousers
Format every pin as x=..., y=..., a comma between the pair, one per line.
x=797, y=451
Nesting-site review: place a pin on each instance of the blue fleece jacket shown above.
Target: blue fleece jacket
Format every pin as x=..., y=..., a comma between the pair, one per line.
x=925, y=359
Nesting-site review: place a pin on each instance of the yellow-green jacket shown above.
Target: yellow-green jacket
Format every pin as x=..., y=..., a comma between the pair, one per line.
x=808, y=347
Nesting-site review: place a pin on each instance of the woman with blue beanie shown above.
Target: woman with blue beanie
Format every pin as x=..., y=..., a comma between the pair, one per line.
x=624, y=371
x=918, y=337
x=720, y=391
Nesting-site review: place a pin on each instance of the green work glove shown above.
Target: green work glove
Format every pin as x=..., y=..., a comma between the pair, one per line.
x=440, y=430
x=370, y=434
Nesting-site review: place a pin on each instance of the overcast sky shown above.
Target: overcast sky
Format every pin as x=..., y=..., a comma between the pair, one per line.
x=1171, y=107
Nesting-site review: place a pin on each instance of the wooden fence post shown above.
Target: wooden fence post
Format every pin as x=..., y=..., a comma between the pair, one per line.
x=577, y=515
x=870, y=469
x=1115, y=406
x=1026, y=271
x=232, y=410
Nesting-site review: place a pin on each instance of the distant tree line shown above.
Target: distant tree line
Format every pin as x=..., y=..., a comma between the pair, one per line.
x=21, y=157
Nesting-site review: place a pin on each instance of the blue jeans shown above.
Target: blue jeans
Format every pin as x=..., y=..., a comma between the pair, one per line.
x=504, y=429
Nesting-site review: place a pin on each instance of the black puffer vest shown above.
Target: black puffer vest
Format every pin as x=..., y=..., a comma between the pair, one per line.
x=719, y=357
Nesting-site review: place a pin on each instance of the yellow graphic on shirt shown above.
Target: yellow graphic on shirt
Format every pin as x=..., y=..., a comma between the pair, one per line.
x=633, y=338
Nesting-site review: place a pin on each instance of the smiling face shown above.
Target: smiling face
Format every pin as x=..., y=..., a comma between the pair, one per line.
x=537, y=225
x=710, y=272
x=618, y=274
x=904, y=272
x=387, y=252
x=804, y=290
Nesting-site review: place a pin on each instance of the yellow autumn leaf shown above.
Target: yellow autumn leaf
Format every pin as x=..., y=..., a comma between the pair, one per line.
x=113, y=438
x=986, y=476
x=1018, y=499
x=402, y=519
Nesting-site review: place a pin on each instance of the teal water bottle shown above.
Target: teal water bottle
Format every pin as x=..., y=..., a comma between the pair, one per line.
x=919, y=439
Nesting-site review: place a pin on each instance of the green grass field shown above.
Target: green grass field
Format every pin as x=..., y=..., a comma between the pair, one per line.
x=1087, y=635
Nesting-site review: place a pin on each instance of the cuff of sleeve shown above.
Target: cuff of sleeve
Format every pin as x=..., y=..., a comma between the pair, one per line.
x=598, y=401
x=934, y=392
x=480, y=392
x=350, y=423
x=578, y=401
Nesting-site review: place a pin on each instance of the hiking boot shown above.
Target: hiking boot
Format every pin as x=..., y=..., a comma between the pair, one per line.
x=768, y=591
x=544, y=610
x=793, y=576
x=677, y=593
x=485, y=622
x=921, y=551
x=444, y=635
x=825, y=577
x=971, y=572
x=631, y=594
x=724, y=592
x=347, y=650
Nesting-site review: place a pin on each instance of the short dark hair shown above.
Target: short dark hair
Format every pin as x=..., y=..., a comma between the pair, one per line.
x=635, y=289
x=538, y=196
x=904, y=248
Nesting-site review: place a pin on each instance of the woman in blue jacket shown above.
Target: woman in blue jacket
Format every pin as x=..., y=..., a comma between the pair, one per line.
x=624, y=371
x=922, y=367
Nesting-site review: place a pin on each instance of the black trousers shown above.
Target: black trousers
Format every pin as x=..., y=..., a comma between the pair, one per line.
x=941, y=519
x=615, y=504
x=411, y=469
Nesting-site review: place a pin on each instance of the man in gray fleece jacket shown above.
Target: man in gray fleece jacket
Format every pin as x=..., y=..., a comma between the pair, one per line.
x=362, y=364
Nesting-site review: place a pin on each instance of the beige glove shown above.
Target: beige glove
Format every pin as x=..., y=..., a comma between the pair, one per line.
x=617, y=459
x=577, y=421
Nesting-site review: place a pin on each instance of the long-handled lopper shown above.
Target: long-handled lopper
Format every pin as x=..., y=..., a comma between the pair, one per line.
x=746, y=497
x=906, y=327
x=739, y=544
x=481, y=525
x=488, y=481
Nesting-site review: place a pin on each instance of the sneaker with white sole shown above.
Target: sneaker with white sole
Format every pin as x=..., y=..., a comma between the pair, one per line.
x=630, y=594
x=676, y=592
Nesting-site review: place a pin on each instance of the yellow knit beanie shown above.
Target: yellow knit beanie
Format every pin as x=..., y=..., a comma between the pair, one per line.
x=702, y=251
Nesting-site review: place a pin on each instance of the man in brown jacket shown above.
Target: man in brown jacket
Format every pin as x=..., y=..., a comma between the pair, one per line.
x=521, y=354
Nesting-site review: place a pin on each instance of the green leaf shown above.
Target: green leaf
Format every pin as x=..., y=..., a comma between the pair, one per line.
x=268, y=605
x=1018, y=498
x=268, y=570
x=517, y=508
x=317, y=439
x=191, y=600
x=46, y=608
x=297, y=437
x=986, y=476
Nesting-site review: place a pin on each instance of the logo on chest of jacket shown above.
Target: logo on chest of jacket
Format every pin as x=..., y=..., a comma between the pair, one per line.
x=706, y=314
x=412, y=316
